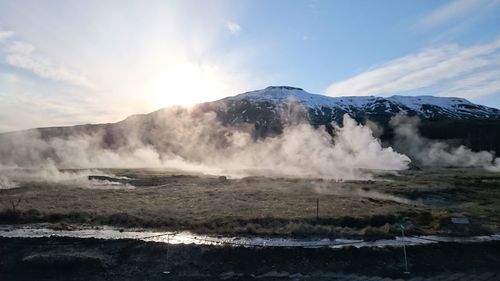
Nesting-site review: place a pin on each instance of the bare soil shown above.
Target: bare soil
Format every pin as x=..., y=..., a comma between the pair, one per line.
x=94, y=259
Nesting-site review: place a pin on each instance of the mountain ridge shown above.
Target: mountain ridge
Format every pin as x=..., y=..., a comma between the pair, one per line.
x=316, y=101
x=424, y=106
x=268, y=111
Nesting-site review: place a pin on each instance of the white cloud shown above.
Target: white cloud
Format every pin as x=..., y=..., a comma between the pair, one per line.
x=233, y=27
x=454, y=10
x=20, y=48
x=27, y=103
x=476, y=85
x=447, y=70
x=5, y=34
x=22, y=55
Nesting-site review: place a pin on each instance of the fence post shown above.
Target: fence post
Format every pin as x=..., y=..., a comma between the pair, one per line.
x=404, y=248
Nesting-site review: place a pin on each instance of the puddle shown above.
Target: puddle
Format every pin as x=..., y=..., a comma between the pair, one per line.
x=190, y=238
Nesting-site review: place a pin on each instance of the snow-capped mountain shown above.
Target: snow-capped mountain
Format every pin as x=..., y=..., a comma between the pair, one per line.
x=266, y=112
x=426, y=107
x=269, y=109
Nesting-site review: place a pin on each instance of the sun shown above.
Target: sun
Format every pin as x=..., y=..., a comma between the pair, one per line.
x=187, y=84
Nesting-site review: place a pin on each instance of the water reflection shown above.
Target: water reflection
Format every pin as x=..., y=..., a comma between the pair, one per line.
x=190, y=238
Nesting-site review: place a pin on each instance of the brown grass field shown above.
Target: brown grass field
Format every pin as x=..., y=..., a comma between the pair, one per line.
x=425, y=200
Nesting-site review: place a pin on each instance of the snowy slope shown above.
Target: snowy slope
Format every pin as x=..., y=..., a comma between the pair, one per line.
x=423, y=106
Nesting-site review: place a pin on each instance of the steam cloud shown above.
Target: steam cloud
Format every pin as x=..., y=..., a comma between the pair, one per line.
x=436, y=153
x=191, y=141
x=325, y=188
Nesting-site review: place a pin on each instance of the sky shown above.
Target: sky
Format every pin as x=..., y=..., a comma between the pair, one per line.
x=78, y=62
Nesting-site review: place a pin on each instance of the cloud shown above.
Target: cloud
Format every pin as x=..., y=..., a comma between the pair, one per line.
x=20, y=48
x=454, y=10
x=233, y=27
x=41, y=105
x=5, y=34
x=22, y=55
x=448, y=70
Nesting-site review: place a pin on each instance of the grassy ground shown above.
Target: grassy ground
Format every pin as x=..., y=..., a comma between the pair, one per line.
x=424, y=199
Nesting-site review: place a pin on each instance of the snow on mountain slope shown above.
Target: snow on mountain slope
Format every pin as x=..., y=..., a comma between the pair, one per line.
x=423, y=106
x=454, y=107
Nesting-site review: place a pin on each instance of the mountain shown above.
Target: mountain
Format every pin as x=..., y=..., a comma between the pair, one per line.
x=444, y=118
x=361, y=107
x=268, y=110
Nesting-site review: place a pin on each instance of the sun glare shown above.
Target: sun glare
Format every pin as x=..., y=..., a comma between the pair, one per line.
x=186, y=84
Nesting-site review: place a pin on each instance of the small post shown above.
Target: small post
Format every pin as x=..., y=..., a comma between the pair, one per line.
x=404, y=248
x=317, y=208
x=168, y=246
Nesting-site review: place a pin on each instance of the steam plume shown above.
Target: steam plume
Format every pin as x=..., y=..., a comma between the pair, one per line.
x=436, y=153
x=192, y=141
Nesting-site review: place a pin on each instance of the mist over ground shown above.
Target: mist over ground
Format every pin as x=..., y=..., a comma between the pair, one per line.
x=189, y=141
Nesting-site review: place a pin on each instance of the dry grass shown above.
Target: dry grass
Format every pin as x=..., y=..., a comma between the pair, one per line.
x=268, y=206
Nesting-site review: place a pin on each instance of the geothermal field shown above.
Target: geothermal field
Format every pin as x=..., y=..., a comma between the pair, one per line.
x=425, y=200
x=119, y=223
x=217, y=203
x=297, y=140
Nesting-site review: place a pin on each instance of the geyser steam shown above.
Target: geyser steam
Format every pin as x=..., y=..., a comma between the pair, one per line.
x=436, y=153
x=192, y=141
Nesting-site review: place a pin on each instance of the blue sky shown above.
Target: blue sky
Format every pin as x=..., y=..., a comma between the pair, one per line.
x=72, y=62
